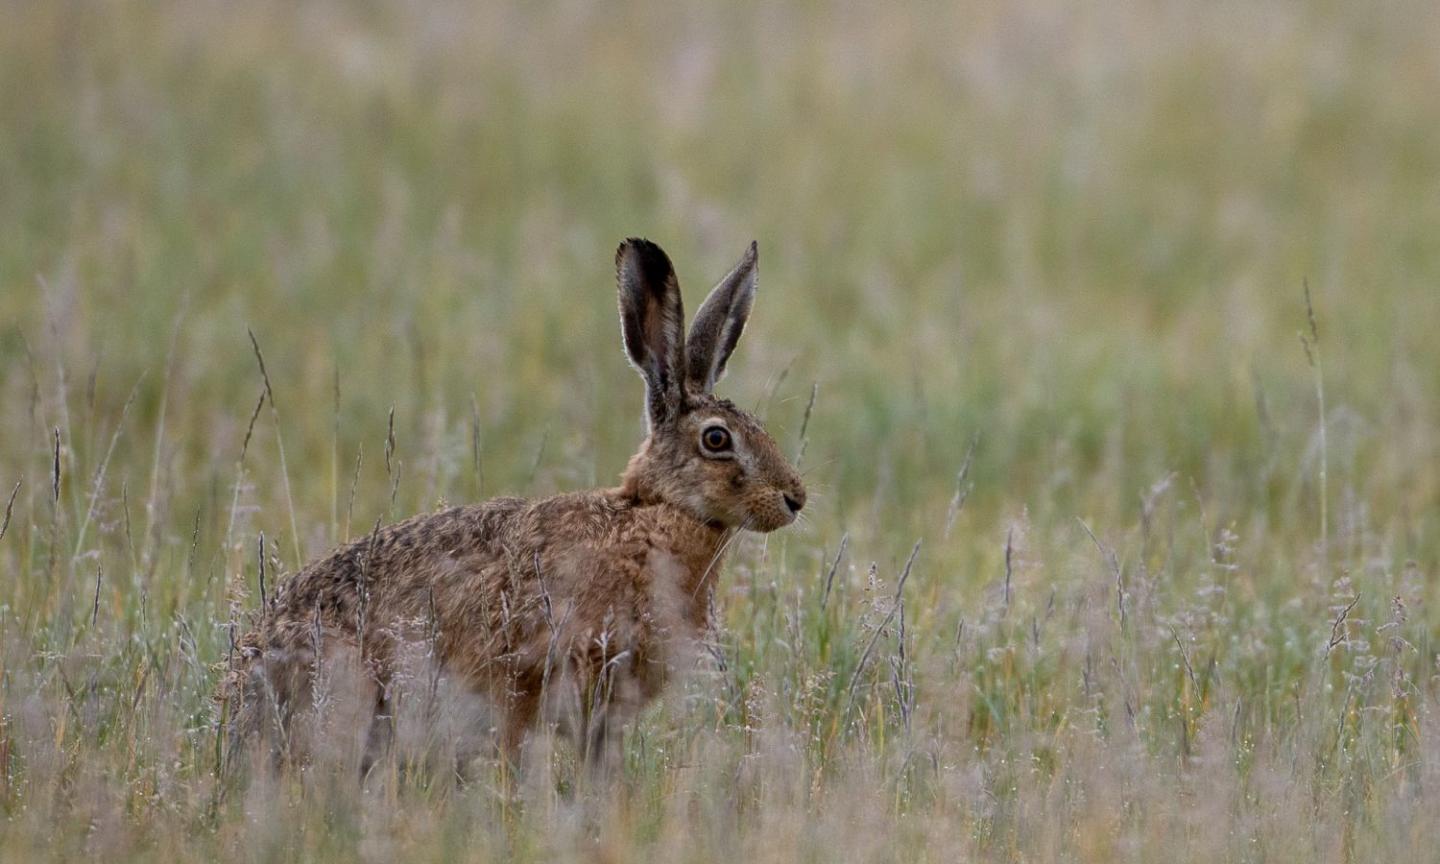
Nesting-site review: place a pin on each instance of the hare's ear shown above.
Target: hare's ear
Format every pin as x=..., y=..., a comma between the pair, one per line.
x=652, y=320
x=719, y=323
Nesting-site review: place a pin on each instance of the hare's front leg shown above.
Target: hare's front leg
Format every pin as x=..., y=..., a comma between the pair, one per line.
x=604, y=746
x=494, y=729
x=377, y=665
x=615, y=696
x=381, y=733
x=521, y=708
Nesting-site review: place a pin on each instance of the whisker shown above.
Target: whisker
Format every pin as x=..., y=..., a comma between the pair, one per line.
x=811, y=499
x=805, y=471
x=718, y=552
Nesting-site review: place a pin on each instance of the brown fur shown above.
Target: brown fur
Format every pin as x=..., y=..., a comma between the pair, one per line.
x=593, y=593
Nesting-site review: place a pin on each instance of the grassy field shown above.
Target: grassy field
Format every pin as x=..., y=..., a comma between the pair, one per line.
x=1040, y=267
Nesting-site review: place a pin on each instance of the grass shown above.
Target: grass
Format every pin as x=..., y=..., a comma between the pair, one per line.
x=1179, y=603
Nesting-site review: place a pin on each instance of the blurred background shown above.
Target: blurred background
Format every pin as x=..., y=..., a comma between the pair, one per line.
x=1070, y=240
x=1080, y=233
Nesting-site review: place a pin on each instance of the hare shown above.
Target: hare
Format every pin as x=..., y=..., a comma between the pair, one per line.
x=595, y=594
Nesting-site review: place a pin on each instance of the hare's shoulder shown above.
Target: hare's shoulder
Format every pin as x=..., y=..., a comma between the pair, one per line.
x=607, y=519
x=588, y=516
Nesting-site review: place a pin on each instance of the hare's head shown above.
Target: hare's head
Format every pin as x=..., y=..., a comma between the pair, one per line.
x=703, y=455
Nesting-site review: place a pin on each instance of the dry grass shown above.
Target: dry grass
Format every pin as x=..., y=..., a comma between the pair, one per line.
x=1031, y=283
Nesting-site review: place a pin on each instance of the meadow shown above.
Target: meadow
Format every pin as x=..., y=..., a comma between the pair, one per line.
x=1105, y=335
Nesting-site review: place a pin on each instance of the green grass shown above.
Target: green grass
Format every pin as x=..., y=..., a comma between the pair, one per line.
x=1074, y=235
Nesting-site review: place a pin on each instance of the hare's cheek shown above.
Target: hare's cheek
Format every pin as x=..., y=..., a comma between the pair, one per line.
x=760, y=513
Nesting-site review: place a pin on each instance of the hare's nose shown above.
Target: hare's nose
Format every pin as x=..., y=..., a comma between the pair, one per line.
x=796, y=501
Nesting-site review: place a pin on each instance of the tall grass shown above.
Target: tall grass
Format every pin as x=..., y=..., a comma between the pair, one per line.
x=1031, y=278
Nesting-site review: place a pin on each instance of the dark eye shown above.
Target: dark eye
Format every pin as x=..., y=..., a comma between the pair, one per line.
x=716, y=439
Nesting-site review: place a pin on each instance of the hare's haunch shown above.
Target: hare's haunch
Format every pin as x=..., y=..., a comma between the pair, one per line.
x=599, y=589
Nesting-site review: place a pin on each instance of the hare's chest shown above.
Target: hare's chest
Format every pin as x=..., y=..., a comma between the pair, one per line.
x=676, y=602
x=675, y=611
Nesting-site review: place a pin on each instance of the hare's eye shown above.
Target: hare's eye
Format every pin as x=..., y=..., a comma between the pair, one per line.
x=716, y=439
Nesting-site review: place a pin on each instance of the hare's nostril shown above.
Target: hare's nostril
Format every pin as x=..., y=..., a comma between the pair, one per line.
x=794, y=504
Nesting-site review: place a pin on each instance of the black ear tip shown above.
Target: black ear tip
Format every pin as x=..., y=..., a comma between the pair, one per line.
x=648, y=260
x=639, y=246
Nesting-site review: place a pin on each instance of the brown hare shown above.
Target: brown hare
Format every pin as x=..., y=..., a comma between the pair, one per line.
x=594, y=594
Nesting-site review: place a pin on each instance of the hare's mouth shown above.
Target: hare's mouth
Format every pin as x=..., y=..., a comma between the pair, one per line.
x=776, y=511
x=772, y=525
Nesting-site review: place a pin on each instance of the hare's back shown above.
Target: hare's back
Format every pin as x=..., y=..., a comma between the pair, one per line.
x=400, y=555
